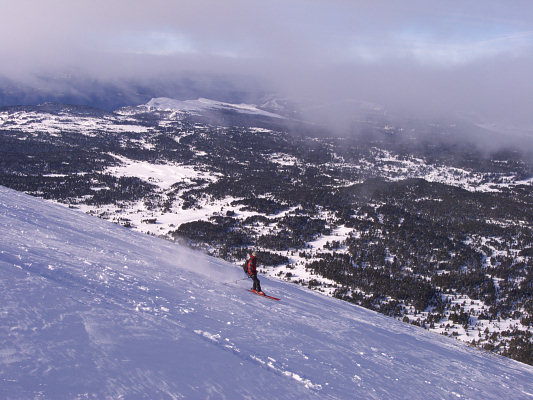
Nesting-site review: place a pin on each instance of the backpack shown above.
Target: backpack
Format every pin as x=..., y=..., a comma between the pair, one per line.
x=245, y=267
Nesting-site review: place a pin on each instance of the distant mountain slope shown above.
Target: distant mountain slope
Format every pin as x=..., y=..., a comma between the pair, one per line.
x=201, y=104
x=93, y=310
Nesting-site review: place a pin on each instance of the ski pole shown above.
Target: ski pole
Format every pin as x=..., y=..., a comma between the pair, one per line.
x=227, y=283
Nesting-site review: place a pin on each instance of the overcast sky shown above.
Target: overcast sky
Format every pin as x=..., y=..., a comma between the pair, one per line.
x=473, y=57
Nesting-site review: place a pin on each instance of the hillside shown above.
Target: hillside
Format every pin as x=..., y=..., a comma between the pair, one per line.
x=94, y=310
x=403, y=219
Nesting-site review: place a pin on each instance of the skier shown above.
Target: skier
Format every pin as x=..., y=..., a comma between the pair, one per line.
x=252, y=272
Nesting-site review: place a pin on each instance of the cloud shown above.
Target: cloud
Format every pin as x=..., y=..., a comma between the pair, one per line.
x=413, y=57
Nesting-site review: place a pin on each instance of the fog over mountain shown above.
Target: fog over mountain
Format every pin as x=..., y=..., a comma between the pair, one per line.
x=333, y=59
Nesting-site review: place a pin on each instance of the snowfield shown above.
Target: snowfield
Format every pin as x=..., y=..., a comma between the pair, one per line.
x=42, y=122
x=91, y=310
x=161, y=175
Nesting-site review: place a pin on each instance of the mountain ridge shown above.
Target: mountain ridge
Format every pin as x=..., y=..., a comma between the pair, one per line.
x=201, y=104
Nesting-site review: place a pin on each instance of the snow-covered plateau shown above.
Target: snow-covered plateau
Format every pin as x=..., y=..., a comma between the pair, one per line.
x=91, y=310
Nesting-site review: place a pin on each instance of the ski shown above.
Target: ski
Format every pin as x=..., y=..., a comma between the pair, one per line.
x=264, y=295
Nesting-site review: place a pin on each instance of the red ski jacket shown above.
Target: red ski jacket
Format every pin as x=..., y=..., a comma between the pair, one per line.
x=252, y=266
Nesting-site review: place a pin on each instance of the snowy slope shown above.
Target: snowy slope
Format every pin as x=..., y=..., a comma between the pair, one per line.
x=93, y=310
x=201, y=104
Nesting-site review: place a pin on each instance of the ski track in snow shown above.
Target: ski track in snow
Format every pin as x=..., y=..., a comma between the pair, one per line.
x=93, y=310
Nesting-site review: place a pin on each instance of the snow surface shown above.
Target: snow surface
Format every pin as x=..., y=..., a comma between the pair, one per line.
x=93, y=310
x=161, y=175
x=55, y=124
